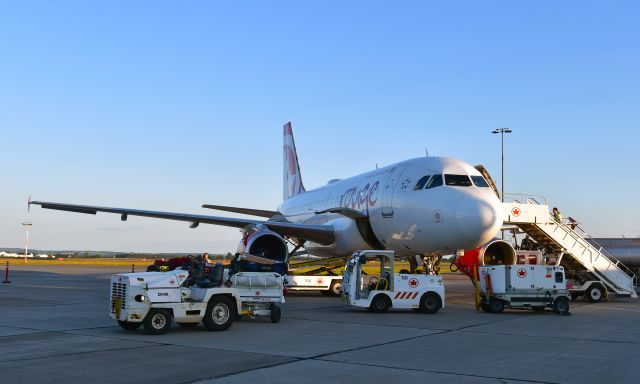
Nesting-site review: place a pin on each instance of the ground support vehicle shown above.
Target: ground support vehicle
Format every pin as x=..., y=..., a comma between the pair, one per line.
x=522, y=286
x=593, y=291
x=327, y=285
x=322, y=275
x=155, y=299
x=420, y=292
x=581, y=283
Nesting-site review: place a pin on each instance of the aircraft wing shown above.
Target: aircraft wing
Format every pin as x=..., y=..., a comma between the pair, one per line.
x=244, y=211
x=322, y=234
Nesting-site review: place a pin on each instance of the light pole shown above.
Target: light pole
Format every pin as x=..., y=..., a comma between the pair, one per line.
x=502, y=131
x=27, y=225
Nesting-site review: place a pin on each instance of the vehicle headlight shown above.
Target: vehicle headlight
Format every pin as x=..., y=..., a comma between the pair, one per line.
x=139, y=298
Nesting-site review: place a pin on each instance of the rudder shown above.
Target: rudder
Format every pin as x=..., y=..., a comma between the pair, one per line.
x=292, y=179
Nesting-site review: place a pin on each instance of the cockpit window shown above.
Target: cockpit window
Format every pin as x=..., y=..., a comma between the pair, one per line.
x=479, y=181
x=457, y=180
x=420, y=184
x=435, y=181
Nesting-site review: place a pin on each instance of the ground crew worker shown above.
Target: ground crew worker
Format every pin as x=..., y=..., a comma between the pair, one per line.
x=205, y=258
x=557, y=215
x=527, y=244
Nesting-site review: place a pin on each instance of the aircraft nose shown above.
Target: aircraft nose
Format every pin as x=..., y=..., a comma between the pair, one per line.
x=478, y=219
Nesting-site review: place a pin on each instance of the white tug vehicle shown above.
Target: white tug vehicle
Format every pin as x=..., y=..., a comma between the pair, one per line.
x=420, y=292
x=155, y=299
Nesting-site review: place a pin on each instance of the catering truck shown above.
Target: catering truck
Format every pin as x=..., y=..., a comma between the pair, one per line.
x=523, y=286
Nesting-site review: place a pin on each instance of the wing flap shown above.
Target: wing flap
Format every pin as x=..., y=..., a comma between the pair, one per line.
x=244, y=211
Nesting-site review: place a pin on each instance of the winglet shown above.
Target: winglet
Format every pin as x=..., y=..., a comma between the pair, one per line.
x=29, y=204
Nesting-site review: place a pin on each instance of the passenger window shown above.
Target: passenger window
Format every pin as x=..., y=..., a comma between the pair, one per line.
x=457, y=180
x=420, y=184
x=435, y=181
x=479, y=181
x=559, y=277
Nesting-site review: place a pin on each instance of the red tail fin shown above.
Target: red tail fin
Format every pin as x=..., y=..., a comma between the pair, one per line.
x=292, y=180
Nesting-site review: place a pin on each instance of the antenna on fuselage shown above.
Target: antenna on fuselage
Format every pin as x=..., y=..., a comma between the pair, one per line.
x=426, y=151
x=376, y=165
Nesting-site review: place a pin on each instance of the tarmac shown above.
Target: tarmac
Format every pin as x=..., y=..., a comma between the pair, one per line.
x=55, y=328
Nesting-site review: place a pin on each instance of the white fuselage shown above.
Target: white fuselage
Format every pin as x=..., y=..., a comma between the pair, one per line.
x=407, y=220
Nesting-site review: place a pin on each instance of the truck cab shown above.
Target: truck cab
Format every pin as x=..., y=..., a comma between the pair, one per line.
x=369, y=280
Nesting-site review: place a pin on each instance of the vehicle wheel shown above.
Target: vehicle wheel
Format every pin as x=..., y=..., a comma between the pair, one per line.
x=157, y=322
x=187, y=325
x=220, y=313
x=484, y=305
x=380, y=304
x=276, y=314
x=334, y=289
x=561, y=305
x=496, y=306
x=595, y=293
x=129, y=326
x=430, y=302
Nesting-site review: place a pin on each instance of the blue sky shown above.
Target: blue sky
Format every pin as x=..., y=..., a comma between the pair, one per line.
x=167, y=105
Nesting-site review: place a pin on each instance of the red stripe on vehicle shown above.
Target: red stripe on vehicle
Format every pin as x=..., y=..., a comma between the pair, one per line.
x=403, y=295
x=414, y=295
x=397, y=294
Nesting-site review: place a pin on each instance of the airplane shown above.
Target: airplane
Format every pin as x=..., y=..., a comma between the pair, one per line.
x=415, y=207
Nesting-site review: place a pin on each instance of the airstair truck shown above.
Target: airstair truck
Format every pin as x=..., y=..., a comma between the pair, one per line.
x=523, y=286
x=155, y=299
x=386, y=289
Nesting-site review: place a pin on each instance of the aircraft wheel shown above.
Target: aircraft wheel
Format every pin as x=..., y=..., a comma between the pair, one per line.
x=128, y=325
x=157, y=322
x=220, y=313
x=380, y=304
x=430, y=302
x=595, y=293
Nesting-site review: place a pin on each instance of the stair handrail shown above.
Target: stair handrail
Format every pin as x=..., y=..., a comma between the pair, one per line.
x=571, y=226
x=524, y=198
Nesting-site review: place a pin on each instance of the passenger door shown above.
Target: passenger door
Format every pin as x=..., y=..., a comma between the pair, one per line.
x=387, y=193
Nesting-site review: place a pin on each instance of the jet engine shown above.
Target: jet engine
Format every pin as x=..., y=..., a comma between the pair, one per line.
x=260, y=241
x=495, y=252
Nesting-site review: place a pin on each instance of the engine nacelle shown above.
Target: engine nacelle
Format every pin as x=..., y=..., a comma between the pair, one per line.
x=495, y=252
x=260, y=241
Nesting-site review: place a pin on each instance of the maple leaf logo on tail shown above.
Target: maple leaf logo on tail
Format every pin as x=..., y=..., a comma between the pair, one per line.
x=292, y=180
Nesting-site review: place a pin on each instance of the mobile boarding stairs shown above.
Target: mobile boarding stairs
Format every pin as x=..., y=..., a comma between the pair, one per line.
x=531, y=214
